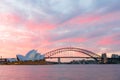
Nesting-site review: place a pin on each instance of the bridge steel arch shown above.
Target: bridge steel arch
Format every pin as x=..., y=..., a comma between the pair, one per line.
x=84, y=51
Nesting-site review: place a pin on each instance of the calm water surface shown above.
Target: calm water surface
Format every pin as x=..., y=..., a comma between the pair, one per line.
x=60, y=72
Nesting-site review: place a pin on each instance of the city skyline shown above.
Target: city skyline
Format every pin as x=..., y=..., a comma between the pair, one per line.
x=50, y=24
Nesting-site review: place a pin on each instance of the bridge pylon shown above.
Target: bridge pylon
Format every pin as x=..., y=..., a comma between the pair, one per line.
x=59, y=61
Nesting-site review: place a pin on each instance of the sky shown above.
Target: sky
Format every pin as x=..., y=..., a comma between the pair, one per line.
x=50, y=24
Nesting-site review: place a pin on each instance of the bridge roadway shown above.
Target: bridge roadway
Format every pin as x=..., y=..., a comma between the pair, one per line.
x=67, y=57
x=59, y=58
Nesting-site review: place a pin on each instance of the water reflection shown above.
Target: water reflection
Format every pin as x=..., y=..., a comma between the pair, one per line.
x=60, y=72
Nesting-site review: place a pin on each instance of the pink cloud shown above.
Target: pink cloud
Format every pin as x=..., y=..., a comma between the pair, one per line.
x=15, y=39
x=94, y=19
x=9, y=19
x=108, y=40
x=73, y=40
x=32, y=25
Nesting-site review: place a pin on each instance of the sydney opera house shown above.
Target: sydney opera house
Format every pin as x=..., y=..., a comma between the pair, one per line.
x=32, y=57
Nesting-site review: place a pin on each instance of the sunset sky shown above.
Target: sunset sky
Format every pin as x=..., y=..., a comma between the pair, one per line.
x=49, y=24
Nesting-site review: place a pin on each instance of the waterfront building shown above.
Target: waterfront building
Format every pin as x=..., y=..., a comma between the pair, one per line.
x=104, y=58
x=115, y=56
x=11, y=59
x=115, y=59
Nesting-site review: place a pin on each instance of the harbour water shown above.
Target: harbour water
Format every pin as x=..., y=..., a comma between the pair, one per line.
x=60, y=72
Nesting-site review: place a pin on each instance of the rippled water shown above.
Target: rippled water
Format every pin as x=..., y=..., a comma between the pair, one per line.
x=60, y=72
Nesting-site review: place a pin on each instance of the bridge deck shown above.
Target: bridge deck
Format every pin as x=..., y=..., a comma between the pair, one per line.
x=67, y=57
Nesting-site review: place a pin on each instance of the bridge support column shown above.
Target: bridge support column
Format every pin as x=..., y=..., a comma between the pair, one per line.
x=59, y=60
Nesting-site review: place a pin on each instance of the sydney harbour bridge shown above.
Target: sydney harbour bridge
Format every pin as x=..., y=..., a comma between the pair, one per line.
x=89, y=54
